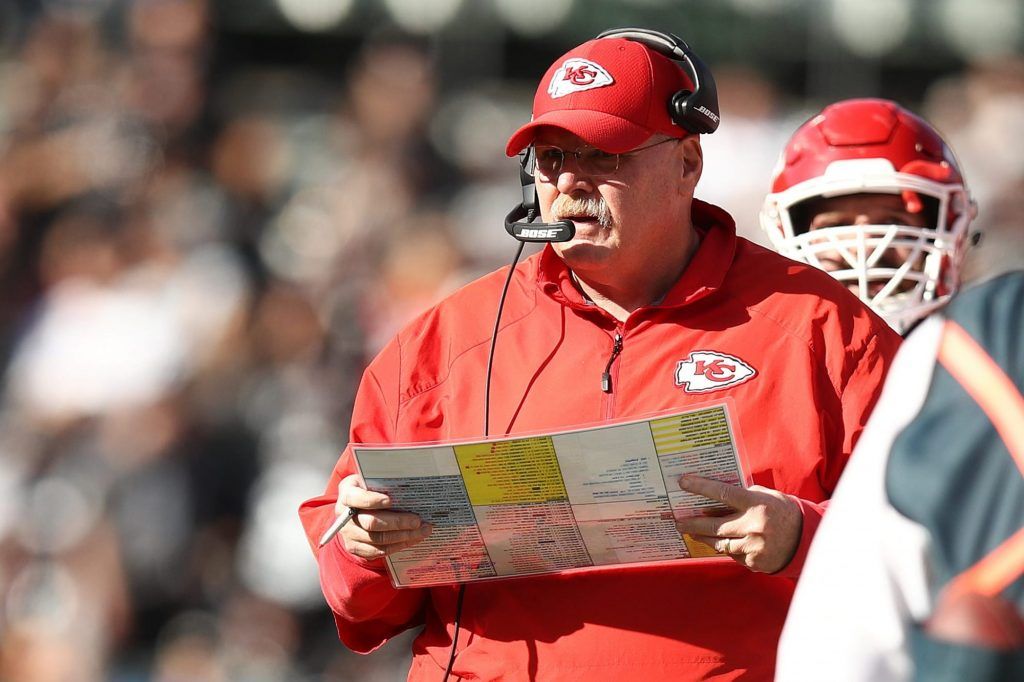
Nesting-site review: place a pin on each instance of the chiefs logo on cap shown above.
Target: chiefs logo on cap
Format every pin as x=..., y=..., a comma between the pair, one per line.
x=576, y=75
x=708, y=370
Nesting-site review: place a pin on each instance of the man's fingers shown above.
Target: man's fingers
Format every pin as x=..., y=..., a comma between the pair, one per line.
x=399, y=546
x=359, y=498
x=352, y=493
x=365, y=551
x=368, y=551
x=385, y=539
x=731, y=495
x=730, y=546
x=387, y=521
x=707, y=525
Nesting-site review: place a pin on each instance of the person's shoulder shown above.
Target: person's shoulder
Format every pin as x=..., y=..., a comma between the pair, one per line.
x=796, y=292
x=992, y=313
x=956, y=428
x=990, y=305
x=759, y=267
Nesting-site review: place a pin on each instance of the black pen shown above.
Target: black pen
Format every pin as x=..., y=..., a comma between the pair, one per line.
x=338, y=524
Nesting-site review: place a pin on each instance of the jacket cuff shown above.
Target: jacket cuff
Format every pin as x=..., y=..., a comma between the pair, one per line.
x=336, y=545
x=344, y=576
x=368, y=610
x=811, y=513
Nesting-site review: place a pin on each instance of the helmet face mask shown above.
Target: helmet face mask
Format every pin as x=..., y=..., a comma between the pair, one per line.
x=862, y=152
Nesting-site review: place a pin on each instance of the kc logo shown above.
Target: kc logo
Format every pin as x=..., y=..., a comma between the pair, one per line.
x=580, y=75
x=708, y=370
x=576, y=75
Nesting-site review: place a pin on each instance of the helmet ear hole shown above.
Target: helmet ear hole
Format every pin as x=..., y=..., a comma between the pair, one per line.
x=800, y=215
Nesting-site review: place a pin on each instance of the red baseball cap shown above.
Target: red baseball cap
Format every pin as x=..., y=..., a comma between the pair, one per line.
x=611, y=92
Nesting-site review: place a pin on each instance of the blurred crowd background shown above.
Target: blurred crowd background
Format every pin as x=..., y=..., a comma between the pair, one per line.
x=212, y=213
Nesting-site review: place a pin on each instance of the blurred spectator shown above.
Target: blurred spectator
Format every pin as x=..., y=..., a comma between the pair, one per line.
x=189, y=311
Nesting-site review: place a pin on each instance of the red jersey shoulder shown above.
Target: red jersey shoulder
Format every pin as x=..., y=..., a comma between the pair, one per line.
x=799, y=297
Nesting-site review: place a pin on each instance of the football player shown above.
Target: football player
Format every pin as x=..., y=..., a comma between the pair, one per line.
x=872, y=194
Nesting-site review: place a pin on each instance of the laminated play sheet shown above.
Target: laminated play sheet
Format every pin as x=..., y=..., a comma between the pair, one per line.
x=547, y=503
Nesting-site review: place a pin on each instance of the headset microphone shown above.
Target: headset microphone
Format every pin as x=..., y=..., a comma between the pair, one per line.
x=529, y=230
x=521, y=221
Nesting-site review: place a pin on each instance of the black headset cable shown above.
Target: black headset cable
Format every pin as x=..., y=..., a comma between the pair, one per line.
x=487, y=432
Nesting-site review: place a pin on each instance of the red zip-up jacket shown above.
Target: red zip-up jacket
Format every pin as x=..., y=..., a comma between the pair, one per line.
x=800, y=358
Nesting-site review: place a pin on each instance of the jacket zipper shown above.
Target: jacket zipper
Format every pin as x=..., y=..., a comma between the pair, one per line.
x=606, y=376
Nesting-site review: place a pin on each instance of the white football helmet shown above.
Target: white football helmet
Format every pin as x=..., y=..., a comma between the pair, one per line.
x=873, y=146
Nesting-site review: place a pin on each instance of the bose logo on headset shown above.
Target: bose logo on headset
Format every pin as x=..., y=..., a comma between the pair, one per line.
x=533, y=233
x=707, y=112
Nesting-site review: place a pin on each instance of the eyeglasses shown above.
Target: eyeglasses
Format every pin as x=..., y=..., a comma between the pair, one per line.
x=589, y=160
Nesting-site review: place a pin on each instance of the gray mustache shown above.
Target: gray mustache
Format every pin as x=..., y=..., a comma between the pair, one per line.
x=590, y=207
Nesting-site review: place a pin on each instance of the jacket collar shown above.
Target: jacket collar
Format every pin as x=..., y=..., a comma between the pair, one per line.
x=704, y=275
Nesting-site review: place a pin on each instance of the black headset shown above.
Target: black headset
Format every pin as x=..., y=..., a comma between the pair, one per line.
x=695, y=111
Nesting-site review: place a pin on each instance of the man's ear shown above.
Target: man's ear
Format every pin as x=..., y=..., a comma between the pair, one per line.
x=693, y=162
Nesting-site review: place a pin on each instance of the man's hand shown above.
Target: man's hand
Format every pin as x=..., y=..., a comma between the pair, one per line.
x=374, y=531
x=762, y=534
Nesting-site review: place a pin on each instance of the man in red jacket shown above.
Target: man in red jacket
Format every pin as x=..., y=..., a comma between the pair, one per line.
x=654, y=305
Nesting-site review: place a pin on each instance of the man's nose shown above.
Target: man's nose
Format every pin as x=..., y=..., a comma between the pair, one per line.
x=571, y=179
x=863, y=219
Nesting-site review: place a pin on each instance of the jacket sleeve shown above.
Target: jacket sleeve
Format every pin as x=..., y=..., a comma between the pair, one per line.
x=367, y=609
x=857, y=374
